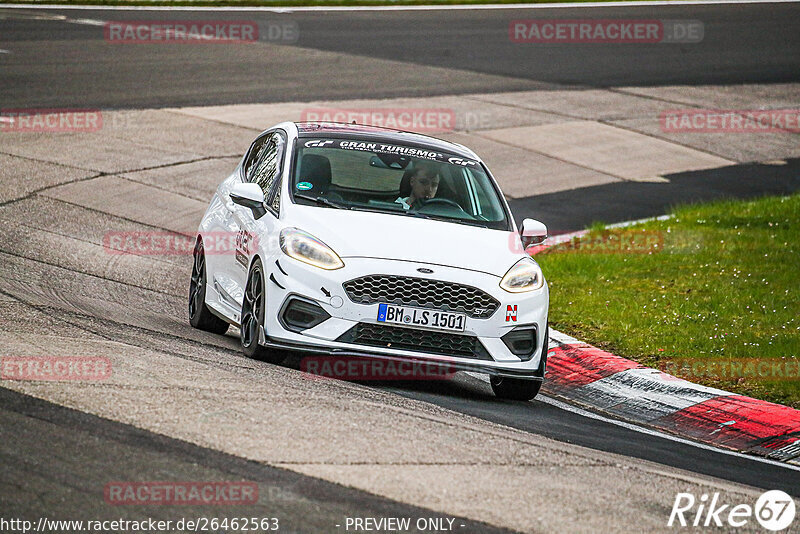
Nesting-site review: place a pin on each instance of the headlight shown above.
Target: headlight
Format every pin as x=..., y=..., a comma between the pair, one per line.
x=525, y=275
x=308, y=249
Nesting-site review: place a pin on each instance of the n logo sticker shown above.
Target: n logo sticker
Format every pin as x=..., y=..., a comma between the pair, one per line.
x=511, y=313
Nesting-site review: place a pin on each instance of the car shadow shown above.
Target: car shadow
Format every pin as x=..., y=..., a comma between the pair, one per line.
x=575, y=209
x=459, y=385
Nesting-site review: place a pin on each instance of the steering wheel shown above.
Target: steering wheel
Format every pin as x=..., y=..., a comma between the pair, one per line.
x=442, y=201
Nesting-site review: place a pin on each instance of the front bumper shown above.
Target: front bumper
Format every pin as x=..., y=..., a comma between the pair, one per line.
x=287, y=278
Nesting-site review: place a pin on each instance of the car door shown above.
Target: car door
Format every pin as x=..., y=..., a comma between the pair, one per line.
x=223, y=233
x=252, y=232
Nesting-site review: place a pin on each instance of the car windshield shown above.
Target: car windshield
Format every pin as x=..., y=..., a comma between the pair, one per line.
x=396, y=179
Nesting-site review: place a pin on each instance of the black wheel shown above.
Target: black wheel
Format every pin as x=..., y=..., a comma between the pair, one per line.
x=253, y=318
x=200, y=316
x=515, y=388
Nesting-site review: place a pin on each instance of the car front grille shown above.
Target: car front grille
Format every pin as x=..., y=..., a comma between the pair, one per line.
x=421, y=292
x=465, y=346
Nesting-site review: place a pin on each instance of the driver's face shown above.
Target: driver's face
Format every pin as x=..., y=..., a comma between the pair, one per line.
x=424, y=186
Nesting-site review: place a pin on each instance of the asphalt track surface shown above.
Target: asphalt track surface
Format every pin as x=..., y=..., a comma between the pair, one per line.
x=54, y=63
x=474, y=398
x=98, y=448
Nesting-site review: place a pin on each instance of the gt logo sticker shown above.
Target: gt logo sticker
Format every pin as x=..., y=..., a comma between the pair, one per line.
x=511, y=313
x=462, y=162
x=318, y=143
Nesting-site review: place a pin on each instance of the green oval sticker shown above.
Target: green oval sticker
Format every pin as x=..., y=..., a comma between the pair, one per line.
x=304, y=186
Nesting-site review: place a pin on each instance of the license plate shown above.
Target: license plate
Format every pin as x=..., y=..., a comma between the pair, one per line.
x=420, y=317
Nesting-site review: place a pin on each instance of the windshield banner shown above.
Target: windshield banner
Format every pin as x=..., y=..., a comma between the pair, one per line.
x=384, y=148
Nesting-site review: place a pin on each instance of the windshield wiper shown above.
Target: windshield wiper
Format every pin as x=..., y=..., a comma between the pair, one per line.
x=416, y=214
x=466, y=221
x=389, y=211
x=322, y=200
x=446, y=219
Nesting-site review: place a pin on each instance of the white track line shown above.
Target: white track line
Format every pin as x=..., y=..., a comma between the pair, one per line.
x=626, y=224
x=630, y=426
x=88, y=22
x=289, y=9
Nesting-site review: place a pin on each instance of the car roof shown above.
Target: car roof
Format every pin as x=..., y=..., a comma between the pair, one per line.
x=385, y=135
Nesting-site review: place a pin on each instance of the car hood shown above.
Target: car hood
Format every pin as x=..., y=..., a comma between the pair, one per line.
x=354, y=233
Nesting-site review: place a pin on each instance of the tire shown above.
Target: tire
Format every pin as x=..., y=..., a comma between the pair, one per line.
x=515, y=388
x=200, y=316
x=253, y=308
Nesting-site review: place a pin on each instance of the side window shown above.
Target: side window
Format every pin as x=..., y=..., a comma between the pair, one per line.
x=276, y=201
x=267, y=169
x=484, y=203
x=256, y=151
x=476, y=194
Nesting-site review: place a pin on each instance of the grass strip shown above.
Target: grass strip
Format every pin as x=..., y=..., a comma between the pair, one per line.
x=710, y=295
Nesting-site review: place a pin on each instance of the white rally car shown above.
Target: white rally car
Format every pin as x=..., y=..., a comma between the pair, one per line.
x=367, y=242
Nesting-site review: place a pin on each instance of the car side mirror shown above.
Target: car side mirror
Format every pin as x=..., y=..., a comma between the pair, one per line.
x=250, y=196
x=532, y=232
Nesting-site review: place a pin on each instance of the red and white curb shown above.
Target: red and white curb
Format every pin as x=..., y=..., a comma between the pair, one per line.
x=600, y=381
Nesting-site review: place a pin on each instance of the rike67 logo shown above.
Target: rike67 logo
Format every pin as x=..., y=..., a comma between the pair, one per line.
x=774, y=510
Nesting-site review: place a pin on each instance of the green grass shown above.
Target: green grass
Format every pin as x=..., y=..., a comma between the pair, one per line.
x=723, y=285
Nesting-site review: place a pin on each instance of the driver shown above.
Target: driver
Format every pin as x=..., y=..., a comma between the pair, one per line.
x=424, y=184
